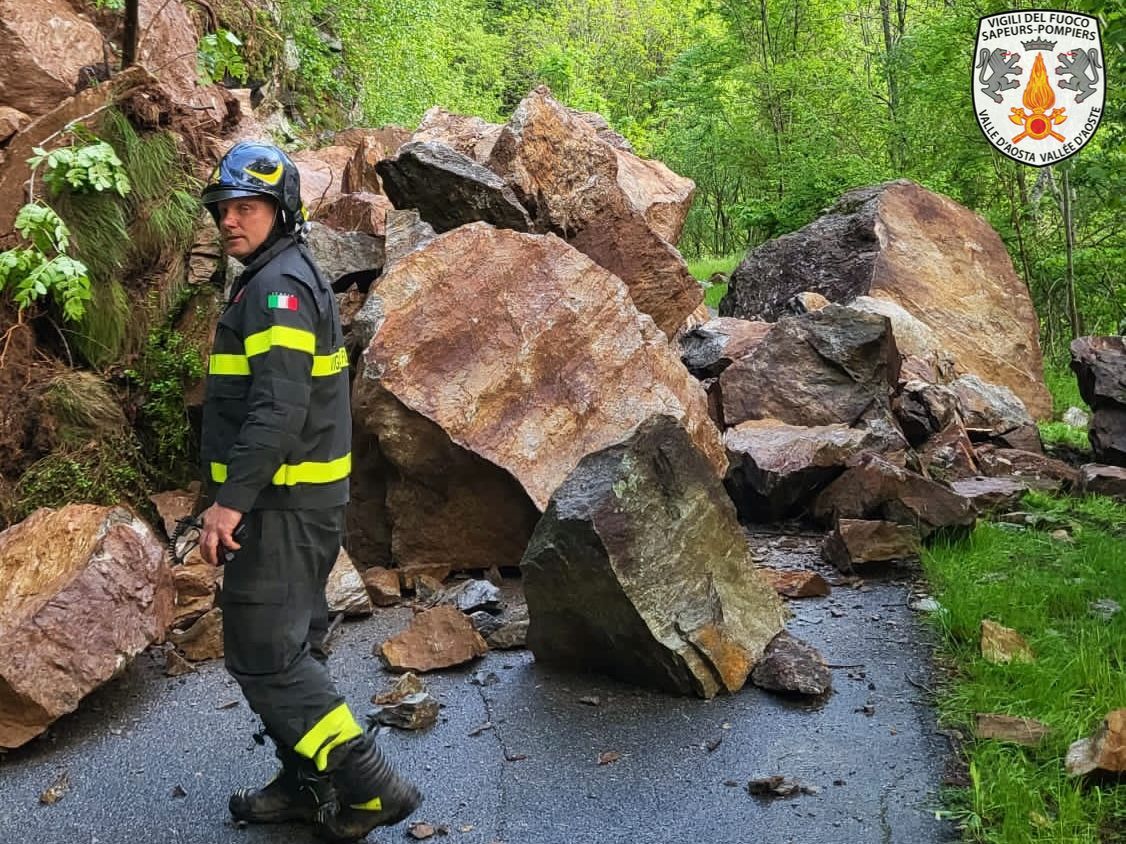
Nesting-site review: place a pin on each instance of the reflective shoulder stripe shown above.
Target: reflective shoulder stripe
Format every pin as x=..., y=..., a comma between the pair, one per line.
x=314, y=472
x=373, y=805
x=330, y=364
x=333, y=730
x=309, y=472
x=281, y=335
x=228, y=365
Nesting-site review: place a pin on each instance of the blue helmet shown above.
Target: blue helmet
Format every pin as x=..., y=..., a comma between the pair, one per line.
x=255, y=169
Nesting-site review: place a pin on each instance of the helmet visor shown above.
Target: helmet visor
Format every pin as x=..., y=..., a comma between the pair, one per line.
x=218, y=193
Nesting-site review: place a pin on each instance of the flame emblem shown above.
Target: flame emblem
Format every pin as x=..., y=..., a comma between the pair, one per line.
x=1038, y=98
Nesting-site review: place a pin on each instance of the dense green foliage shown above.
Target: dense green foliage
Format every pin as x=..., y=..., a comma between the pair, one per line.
x=773, y=108
x=1046, y=585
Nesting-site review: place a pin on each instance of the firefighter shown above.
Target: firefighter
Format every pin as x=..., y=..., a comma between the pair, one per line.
x=276, y=452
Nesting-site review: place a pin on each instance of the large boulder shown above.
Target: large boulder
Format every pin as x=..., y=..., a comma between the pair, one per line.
x=1041, y=471
x=710, y=348
x=449, y=189
x=1099, y=364
x=993, y=412
x=835, y=365
x=506, y=358
x=939, y=261
x=45, y=46
x=471, y=136
x=322, y=173
x=83, y=590
x=344, y=254
x=568, y=178
x=775, y=468
x=639, y=569
x=364, y=212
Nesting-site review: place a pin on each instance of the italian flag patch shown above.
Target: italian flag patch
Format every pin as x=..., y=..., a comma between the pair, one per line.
x=282, y=300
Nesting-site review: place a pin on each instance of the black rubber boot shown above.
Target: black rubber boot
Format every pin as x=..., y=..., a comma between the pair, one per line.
x=369, y=793
x=297, y=793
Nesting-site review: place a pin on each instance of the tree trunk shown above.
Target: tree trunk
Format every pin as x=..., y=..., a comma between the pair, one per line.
x=1069, y=237
x=129, y=36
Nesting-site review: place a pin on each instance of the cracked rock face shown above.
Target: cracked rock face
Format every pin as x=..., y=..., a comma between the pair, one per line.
x=639, y=570
x=83, y=590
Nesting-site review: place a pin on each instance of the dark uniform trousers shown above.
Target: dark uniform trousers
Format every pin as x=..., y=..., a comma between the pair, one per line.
x=275, y=618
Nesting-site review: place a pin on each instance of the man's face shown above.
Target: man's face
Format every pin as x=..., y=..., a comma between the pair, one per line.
x=244, y=223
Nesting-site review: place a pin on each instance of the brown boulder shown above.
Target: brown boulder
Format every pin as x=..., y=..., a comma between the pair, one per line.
x=471, y=136
x=662, y=197
x=874, y=488
x=203, y=640
x=371, y=146
x=438, y=638
x=83, y=590
x=568, y=178
x=923, y=251
x=990, y=411
x=1042, y=471
x=949, y=455
x=1104, y=751
x=855, y=542
x=1002, y=645
x=322, y=174
x=924, y=409
x=988, y=495
x=830, y=366
x=776, y=468
x=796, y=584
x=639, y=569
x=46, y=44
x=356, y=212
x=482, y=433
x=792, y=666
x=382, y=585
x=11, y=121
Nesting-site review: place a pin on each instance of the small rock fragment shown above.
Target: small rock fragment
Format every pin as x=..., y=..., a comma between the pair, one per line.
x=925, y=604
x=1026, y=731
x=420, y=830
x=778, y=786
x=55, y=791
x=178, y=792
x=485, y=623
x=1104, y=751
x=175, y=665
x=608, y=757
x=791, y=665
x=1104, y=608
x=484, y=678
x=203, y=640
x=414, y=712
x=591, y=700
x=438, y=638
x=408, y=684
x=1001, y=645
x=510, y=636
x=796, y=584
x=382, y=585
x=474, y=595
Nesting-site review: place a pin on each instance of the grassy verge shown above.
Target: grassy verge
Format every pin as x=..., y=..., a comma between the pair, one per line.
x=1043, y=587
x=703, y=270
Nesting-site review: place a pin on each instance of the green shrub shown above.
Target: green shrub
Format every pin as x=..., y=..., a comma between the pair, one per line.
x=97, y=472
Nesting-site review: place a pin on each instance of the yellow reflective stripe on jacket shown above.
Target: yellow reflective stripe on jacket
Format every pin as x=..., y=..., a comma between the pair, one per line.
x=281, y=335
x=335, y=728
x=228, y=365
x=240, y=364
x=330, y=364
x=373, y=805
x=309, y=472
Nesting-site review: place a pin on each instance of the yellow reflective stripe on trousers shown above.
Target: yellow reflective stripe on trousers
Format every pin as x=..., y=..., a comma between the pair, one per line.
x=335, y=728
x=280, y=335
x=309, y=472
x=228, y=365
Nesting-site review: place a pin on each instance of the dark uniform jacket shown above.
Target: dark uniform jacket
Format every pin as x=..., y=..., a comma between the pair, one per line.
x=277, y=426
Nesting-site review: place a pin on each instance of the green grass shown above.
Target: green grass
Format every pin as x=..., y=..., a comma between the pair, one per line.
x=704, y=268
x=1041, y=586
x=1060, y=433
x=1063, y=387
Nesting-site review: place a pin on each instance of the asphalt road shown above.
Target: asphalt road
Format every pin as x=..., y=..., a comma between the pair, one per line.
x=150, y=759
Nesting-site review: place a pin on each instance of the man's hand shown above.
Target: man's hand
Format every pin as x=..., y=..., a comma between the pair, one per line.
x=219, y=524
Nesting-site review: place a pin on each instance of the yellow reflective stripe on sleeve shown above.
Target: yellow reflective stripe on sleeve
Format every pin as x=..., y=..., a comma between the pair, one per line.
x=309, y=472
x=330, y=364
x=228, y=365
x=280, y=335
x=335, y=728
x=373, y=805
x=314, y=472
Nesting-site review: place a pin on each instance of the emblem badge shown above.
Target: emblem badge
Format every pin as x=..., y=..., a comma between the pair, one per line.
x=1038, y=84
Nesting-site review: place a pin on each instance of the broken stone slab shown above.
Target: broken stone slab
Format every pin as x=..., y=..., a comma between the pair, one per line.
x=835, y=365
x=991, y=411
x=659, y=195
x=196, y=584
x=480, y=435
x=346, y=591
x=486, y=623
x=345, y=254
x=1103, y=751
x=83, y=589
x=12, y=120
x=855, y=542
x=873, y=488
x=382, y=585
x=322, y=173
x=469, y=596
x=913, y=337
x=989, y=495
x=1097, y=479
x=471, y=136
x=449, y=189
x=796, y=584
x=1002, y=645
x=371, y=146
x=775, y=468
x=509, y=636
x=405, y=685
x=203, y=640
x=949, y=455
x=708, y=349
x=363, y=212
x=924, y=409
x=1041, y=471
x=792, y=666
x=1025, y=731
x=437, y=638
x=639, y=569
x=416, y=711
x=938, y=260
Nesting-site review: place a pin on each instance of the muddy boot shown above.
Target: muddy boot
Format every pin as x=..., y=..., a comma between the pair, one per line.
x=369, y=793
x=297, y=793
